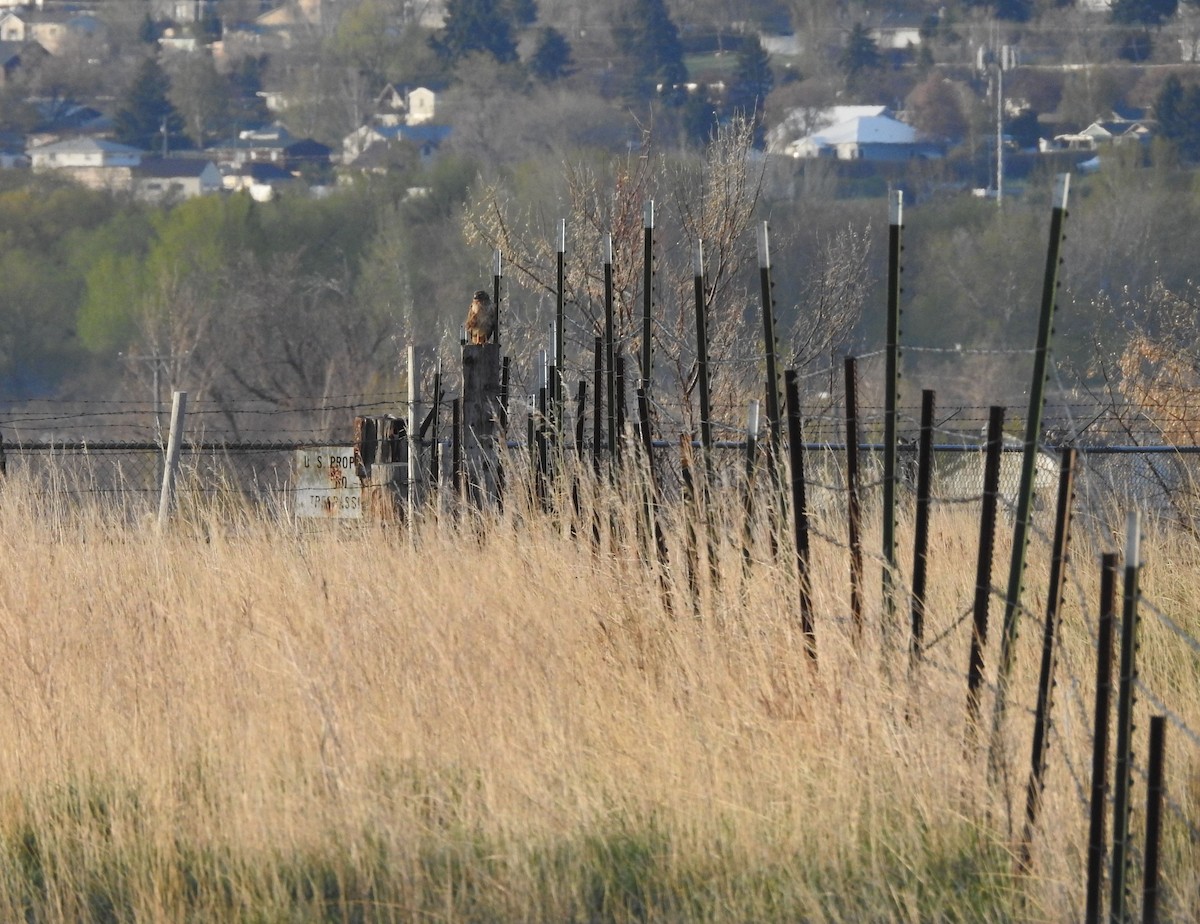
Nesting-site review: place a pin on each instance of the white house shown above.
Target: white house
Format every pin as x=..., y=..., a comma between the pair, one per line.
x=84, y=152
x=803, y=121
x=91, y=162
x=422, y=103
x=877, y=137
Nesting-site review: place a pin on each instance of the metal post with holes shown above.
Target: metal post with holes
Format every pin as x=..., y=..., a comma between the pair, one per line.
x=497, y=277
x=853, y=508
x=610, y=348
x=800, y=514
x=983, y=568
x=1127, y=678
x=891, y=402
x=770, y=344
x=1099, y=793
x=1042, y=716
x=702, y=356
x=647, y=294
x=1033, y=429
x=921, y=527
x=559, y=327
x=1154, y=803
x=748, y=489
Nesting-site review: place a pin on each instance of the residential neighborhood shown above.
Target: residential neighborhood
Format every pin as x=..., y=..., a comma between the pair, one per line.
x=302, y=85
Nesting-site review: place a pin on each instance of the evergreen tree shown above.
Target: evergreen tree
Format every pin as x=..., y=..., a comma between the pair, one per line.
x=752, y=82
x=1143, y=12
x=146, y=118
x=551, y=59
x=651, y=43
x=1178, y=113
x=476, y=26
x=860, y=55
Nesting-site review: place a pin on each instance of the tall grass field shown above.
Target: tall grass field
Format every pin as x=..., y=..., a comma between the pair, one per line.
x=493, y=717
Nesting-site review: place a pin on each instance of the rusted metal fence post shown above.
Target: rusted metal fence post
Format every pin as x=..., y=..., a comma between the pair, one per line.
x=770, y=343
x=1099, y=793
x=1045, y=696
x=412, y=426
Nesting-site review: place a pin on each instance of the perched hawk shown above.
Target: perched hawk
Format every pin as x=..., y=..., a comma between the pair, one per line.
x=481, y=318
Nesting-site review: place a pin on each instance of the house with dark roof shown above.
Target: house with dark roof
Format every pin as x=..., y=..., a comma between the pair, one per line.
x=426, y=137
x=261, y=180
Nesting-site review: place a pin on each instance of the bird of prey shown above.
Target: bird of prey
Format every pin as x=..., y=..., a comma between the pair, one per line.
x=481, y=318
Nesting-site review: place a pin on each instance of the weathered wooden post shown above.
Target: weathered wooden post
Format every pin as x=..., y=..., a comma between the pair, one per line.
x=481, y=406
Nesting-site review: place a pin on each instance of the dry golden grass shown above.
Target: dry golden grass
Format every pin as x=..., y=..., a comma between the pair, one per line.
x=251, y=719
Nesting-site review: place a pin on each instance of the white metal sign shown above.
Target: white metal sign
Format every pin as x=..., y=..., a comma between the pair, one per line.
x=326, y=485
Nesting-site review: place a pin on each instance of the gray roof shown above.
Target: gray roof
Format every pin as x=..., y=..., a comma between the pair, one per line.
x=167, y=167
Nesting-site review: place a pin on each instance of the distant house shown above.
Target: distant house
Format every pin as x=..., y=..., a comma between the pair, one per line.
x=1101, y=133
x=394, y=106
x=92, y=162
x=802, y=121
x=307, y=156
x=49, y=28
x=268, y=144
x=878, y=137
x=261, y=180
x=171, y=178
x=427, y=137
